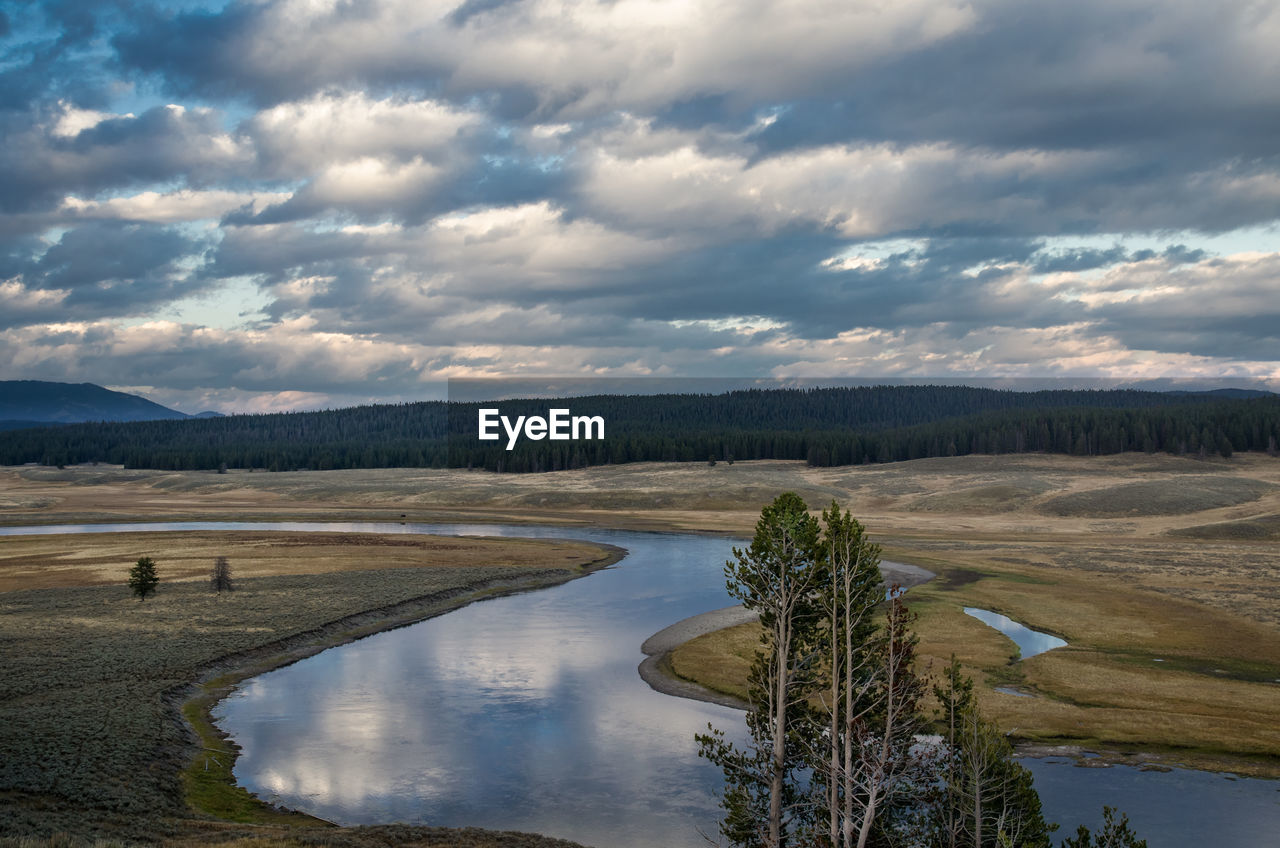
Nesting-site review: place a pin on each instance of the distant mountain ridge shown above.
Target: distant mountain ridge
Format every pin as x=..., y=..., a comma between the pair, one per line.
x=38, y=403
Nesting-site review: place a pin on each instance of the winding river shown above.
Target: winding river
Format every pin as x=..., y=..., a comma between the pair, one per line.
x=526, y=712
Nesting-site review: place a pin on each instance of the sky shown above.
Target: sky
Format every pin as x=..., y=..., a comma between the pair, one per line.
x=266, y=205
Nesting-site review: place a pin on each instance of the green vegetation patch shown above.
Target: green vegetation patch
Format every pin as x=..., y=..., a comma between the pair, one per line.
x=207, y=781
x=719, y=660
x=380, y=836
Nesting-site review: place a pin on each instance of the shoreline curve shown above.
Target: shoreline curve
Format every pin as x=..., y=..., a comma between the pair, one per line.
x=191, y=703
x=656, y=669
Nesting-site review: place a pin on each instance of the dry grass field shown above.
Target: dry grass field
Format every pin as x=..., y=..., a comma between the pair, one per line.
x=103, y=559
x=1171, y=611
x=1201, y=530
x=1162, y=573
x=92, y=680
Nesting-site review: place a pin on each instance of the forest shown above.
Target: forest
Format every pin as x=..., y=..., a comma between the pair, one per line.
x=824, y=427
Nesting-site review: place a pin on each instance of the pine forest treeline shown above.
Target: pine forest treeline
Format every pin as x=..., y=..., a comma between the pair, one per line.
x=825, y=427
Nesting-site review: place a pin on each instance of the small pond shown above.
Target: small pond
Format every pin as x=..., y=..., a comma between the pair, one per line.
x=1030, y=642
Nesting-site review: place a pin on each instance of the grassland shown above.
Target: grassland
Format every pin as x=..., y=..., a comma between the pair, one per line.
x=1153, y=675
x=94, y=559
x=1094, y=515
x=92, y=680
x=1160, y=573
x=1131, y=558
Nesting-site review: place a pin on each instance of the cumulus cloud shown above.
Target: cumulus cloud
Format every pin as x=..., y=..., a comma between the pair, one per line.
x=409, y=191
x=183, y=205
x=103, y=269
x=574, y=58
x=297, y=138
x=45, y=158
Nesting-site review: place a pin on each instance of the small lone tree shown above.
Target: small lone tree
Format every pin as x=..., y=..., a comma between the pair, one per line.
x=220, y=579
x=142, y=577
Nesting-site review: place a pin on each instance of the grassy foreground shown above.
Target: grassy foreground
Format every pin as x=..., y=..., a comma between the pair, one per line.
x=94, y=684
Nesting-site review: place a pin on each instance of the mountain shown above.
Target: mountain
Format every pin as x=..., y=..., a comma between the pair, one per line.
x=1207, y=388
x=36, y=402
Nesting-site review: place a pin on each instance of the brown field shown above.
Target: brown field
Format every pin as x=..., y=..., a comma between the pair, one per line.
x=1131, y=558
x=103, y=559
x=1032, y=510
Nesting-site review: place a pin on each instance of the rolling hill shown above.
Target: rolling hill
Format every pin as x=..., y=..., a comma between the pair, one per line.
x=33, y=403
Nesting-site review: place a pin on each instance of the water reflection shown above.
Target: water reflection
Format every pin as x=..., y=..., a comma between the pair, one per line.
x=521, y=713
x=1030, y=642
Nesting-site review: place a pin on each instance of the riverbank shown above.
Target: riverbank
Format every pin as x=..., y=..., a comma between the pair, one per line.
x=97, y=688
x=1148, y=718
x=1160, y=571
x=714, y=649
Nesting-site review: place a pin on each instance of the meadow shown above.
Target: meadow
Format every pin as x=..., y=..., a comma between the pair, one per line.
x=1160, y=571
x=94, y=684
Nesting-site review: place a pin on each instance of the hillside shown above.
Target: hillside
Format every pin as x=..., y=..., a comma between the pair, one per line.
x=35, y=402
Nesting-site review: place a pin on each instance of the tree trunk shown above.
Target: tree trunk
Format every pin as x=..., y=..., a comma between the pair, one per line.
x=977, y=814
x=848, y=730
x=833, y=781
x=868, y=816
x=779, y=748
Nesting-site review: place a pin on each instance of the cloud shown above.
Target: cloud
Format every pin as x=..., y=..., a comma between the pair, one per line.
x=103, y=269
x=296, y=138
x=50, y=155
x=303, y=201
x=1219, y=307
x=183, y=205
x=574, y=59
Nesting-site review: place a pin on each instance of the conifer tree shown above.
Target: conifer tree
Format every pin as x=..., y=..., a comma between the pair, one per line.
x=220, y=579
x=777, y=576
x=142, y=577
x=988, y=798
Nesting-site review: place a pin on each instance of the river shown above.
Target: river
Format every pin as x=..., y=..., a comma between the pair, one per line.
x=526, y=712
